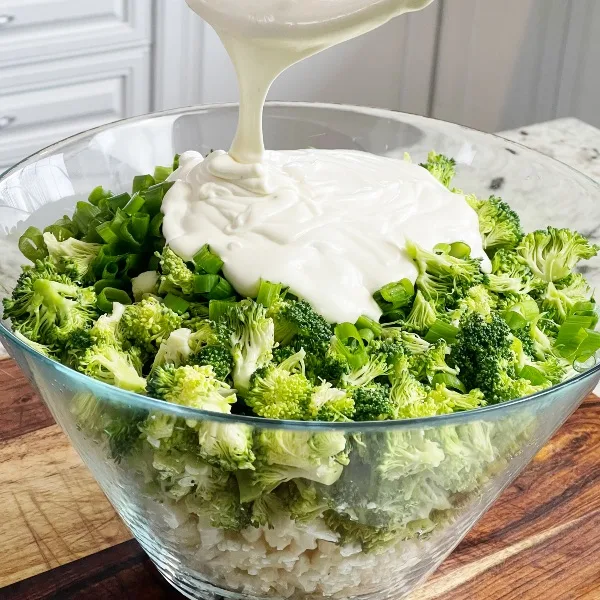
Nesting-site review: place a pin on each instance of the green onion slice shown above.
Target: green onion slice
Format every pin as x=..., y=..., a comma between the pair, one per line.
x=108, y=296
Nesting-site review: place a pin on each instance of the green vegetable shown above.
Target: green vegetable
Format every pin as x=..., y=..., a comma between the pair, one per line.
x=107, y=296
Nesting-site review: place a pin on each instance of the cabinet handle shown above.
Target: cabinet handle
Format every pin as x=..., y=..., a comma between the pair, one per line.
x=6, y=20
x=6, y=121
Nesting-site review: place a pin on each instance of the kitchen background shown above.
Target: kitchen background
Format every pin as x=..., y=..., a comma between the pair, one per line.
x=68, y=65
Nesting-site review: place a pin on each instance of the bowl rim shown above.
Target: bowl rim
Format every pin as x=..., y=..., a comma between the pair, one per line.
x=112, y=393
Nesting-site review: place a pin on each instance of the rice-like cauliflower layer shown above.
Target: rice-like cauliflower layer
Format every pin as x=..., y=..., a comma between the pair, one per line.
x=291, y=560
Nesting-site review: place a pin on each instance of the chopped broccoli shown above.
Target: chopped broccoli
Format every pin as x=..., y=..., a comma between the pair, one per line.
x=447, y=401
x=47, y=307
x=331, y=404
x=174, y=350
x=252, y=341
x=422, y=314
x=216, y=499
x=441, y=167
x=217, y=356
x=510, y=275
x=226, y=445
x=499, y=225
x=552, y=253
x=425, y=365
x=175, y=274
x=377, y=365
x=485, y=355
x=283, y=455
x=71, y=254
x=442, y=277
x=148, y=323
x=192, y=386
x=373, y=403
x=297, y=323
x=408, y=395
x=559, y=299
x=281, y=391
x=110, y=364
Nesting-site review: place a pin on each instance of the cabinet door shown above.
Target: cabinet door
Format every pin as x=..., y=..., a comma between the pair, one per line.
x=43, y=103
x=36, y=29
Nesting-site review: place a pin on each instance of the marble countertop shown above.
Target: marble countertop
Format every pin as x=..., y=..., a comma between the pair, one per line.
x=571, y=141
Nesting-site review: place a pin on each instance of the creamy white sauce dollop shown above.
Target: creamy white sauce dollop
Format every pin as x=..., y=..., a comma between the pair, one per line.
x=330, y=224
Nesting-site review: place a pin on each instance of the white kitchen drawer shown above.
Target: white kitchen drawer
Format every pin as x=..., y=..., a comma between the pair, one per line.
x=43, y=104
x=42, y=29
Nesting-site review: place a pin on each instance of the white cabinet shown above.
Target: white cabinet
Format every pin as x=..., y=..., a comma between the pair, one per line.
x=38, y=29
x=43, y=103
x=69, y=65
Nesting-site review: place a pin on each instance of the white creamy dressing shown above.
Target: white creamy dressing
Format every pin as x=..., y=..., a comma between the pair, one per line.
x=330, y=224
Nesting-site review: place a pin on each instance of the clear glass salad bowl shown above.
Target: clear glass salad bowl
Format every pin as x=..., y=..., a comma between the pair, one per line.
x=432, y=478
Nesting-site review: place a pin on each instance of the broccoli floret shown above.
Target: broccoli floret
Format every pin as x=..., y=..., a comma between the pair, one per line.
x=422, y=314
x=71, y=254
x=47, y=307
x=377, y=365
x=444, y=278
x=550, y=368
x=252, y=341
x=281, y=353
x=39, y=348
x=510, y=275
x=124, y=434
x=425, y=365
x=351, y=531
x=110, y=364
x=209, y=333
x=373, y=403
x=499, y=225
x=148, y=323
x=441, y=167
x=332, y=367
x=281, y=391
x=303, y=500
x=197, y=312
x=216, y=499
x=175, y=274
x=218, y=357
x=296, y=322
x=106, y=328
x=484, y=353
x=102, y=420
x=560, y=298
x=413, y=343
x=408, y=395
x=552, y=253
x=226, y=445
x=331, y=404
x=175, y=350
x=448, y=401
x=477, y=300
x=283, y=455
x=193, y=386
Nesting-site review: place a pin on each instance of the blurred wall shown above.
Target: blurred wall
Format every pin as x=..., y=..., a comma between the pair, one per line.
x=489, y=64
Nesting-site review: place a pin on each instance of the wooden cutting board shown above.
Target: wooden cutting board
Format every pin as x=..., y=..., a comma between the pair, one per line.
x=61, y=539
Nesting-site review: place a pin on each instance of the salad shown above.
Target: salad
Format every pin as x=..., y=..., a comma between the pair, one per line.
x=104, y=295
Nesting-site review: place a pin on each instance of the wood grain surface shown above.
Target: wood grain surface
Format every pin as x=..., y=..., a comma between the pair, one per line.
x=61, y=539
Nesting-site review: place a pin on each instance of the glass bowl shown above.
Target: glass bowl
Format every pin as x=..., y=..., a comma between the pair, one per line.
x=362, y=510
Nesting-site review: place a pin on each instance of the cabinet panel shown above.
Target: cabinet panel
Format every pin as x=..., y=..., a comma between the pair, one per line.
x=41, y=105
x=42, y=29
